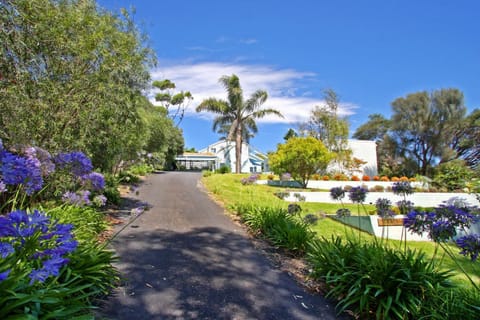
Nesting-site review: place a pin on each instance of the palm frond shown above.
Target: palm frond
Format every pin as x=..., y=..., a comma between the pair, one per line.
x=256, y=100
x=213, y=105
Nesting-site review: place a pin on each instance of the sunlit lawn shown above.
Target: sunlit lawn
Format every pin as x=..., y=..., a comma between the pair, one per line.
x=227, y=189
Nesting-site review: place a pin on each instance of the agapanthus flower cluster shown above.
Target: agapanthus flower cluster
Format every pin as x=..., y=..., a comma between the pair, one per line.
x=99, y=200
x=337, y=193
x=405, y=206
x=18, y=170
x=42, y=157
x=402, y=188
x=357, y=194
x=384, y=208
x=343, y=212
x=470, y=245
x=93, y=181
x=442, y=224
x=79, y=198
x=76, y=162
x=294, y=208
x=36, y=240
x=250, y=180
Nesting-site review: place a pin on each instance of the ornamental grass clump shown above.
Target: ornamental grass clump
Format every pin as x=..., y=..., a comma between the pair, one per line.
x=375, y=281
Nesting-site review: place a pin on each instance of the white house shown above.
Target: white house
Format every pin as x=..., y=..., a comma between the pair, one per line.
x=364, y=150
x=222, y=153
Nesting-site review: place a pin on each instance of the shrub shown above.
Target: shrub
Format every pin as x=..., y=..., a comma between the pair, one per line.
x=315, y=176
x=355, y=178
x=376, y=281
x=413, y=179
x=140, y=169
x=384, y=178
x=111, y=191
x=340, y=177
x=299, y=197
x=223, y=169
x=206, y=173
x=395, y=179
x=270, y=177
x=347, y=188
x=403, y=178
x=325, y=178
x=378, y=188
x=365, y=178
x=376, y=178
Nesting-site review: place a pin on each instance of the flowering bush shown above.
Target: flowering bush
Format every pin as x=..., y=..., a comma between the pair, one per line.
x=325, y=178
x=384, y=179
x=403, y=178
x=355, y=178
x=285, y=176
x=365, y=178
x=376, y=178
x=395, y=179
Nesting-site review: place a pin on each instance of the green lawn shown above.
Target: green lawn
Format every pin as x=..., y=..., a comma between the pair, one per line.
x=227, y=189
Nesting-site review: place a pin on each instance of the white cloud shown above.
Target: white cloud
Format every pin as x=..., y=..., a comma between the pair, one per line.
x=282, y=85
x=249, y=41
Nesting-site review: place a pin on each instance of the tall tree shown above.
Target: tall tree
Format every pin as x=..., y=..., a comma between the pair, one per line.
x=326, y=125
x=423, y=124
x=174, y=103
x=236, y=113
x=466, y=139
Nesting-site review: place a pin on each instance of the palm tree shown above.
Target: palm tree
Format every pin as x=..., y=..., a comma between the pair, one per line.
x=236, y=114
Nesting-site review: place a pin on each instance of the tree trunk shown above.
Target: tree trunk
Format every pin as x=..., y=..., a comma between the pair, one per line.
x=238, y=150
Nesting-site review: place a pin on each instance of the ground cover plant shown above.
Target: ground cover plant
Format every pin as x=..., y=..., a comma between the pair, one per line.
x=445, y=280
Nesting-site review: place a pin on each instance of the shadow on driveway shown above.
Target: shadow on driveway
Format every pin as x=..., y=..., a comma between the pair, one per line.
x=204, y=273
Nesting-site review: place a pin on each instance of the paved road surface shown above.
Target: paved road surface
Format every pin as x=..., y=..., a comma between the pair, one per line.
x=184, y=259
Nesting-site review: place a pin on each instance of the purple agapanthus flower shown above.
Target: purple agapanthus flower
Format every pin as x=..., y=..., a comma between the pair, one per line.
x=6, y=249
x=442, y=230
x=4, y=275
x=419, y=221
x=48, y=241
x=337, y=193
x=43, y=158
x=402, y=188
x=357, y=194
x=18, y=170
x=79, y=199
x=383, y=207
x=77, y=162
x=470, y=245
x=93, y=180
x=99, y=200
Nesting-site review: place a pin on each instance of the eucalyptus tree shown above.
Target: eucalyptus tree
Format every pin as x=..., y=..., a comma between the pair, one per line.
x=423, y=125
x=236, y=113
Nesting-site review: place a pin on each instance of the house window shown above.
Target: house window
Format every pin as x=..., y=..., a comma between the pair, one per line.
x=213, y=150
x=253, y=169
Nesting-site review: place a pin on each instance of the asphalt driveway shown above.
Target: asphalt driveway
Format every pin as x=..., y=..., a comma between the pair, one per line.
x=185, y=259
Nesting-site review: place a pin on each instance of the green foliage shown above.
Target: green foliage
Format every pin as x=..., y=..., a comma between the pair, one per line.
x=278, y=226
x=452, y=175
x=223, y=169
x=375, y=281
x=301, y=157
x=452, y=303
x=111, y=189
x=72, y=79
x=170, y=100
x=206, y=173
x=88, y=223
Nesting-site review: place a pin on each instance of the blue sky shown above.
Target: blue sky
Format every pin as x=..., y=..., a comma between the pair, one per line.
x=369, y=52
